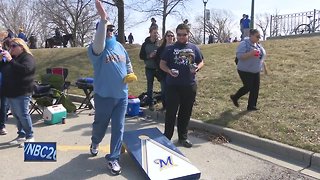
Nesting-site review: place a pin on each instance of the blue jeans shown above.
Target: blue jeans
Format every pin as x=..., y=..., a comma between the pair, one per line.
x=20, y=110
x=150, y=74
x=3, y=111
x=105, y=109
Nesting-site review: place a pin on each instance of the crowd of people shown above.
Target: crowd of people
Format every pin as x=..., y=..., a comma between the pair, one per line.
x=31, y=41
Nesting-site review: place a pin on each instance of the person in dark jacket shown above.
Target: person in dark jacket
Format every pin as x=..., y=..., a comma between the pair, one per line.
x=153, y=23
x=148, y=53
x=4, y=103
x=18, y=81
x=10, y=34
x=131, y=39
x=33, y=41
x=167, y=40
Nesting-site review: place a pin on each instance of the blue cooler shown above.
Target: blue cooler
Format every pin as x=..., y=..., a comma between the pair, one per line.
x=133, y=107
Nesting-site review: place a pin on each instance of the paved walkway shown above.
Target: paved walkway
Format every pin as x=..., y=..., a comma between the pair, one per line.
x=215, y=161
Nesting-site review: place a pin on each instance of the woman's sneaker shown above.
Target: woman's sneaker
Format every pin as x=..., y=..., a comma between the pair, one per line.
x=114, y=167
x=18, y=140
x=27, y=140
x=3, y=131
x=94, y=149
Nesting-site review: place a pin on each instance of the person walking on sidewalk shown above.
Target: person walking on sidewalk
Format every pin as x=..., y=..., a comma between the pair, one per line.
x=147, y=54
x=251, y=56
x=18, y=82
x=181, y=61
x=112, y=67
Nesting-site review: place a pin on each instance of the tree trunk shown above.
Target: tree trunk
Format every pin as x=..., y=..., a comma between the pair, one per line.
x=164, y=16
x=120, y=6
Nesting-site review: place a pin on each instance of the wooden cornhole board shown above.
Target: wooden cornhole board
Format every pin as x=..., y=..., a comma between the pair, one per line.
x=157, y=156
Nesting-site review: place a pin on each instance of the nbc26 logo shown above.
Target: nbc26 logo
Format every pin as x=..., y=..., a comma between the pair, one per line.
x=40, y=151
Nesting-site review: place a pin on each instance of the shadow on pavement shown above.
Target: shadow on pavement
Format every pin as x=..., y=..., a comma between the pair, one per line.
x=85, y=167
x=6, y=145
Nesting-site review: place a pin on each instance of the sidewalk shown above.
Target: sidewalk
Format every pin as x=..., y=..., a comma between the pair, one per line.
x=215, y=161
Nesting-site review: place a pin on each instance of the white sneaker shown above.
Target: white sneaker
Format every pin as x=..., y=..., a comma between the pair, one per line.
x=27, y=140
x=114, y=167
x=17, y=140
x=3, y=131
x=94, y=149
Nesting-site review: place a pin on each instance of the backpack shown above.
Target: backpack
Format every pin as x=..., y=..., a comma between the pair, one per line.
x=236, y=60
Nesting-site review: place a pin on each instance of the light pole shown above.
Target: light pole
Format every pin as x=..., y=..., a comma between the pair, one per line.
x=204, y=21
x=252, y=15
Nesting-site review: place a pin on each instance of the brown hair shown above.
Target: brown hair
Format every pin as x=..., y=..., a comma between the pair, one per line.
x=254, y=31
x=164, y=40
x=183, y=26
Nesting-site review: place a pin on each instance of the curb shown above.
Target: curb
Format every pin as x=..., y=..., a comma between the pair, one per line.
x=315, y=161
x=281, y=151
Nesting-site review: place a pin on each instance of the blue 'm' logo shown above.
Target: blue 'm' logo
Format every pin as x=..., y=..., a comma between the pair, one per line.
x=163, y=163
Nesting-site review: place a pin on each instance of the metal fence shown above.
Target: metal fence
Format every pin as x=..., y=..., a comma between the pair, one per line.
x=297, y=23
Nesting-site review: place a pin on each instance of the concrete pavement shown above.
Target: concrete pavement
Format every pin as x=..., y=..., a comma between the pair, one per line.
x=215, y=161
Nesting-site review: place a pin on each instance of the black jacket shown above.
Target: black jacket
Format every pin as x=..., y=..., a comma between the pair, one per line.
x=160, y=50
x=18, y=76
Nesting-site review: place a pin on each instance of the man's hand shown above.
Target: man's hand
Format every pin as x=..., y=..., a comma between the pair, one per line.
x=101, y=11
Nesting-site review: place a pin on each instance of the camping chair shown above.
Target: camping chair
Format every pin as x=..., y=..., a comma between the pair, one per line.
x=62, y=72
x=47, y=92
x=58, y=95
x=39, y=95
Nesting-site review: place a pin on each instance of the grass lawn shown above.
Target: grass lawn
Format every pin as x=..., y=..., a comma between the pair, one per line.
x=289, y=96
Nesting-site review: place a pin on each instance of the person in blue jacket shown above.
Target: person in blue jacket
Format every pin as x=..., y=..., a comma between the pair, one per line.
x=22, y=35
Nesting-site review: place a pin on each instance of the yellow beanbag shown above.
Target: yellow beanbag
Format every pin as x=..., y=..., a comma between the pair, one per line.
x=130, y=78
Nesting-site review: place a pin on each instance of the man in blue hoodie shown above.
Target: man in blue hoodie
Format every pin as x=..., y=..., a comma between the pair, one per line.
x=111, y=66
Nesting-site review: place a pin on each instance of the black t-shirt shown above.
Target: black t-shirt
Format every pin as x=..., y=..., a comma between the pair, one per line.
x=180, y=56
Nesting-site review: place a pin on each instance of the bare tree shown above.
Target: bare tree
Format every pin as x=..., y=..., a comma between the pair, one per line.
x=73, y=16
x=275, y=24
x=195, y=36
x=120, y=6
x=219, y=25
x=162, y=8
x=263, y=22
x=15, y=14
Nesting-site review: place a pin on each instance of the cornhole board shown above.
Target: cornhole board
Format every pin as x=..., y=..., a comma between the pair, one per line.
x=157, y=156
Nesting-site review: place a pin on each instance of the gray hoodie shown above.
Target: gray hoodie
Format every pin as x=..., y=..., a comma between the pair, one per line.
x=253, y=64
x=146, y=49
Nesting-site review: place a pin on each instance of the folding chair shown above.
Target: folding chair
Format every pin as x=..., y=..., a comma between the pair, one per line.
x=40, y=92
x=58, y=96
x=62, y=72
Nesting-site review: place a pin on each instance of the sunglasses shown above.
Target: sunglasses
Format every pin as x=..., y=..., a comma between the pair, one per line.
x=182, y=34
x=14, y=45
x=169, y=35
x=110, y=30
